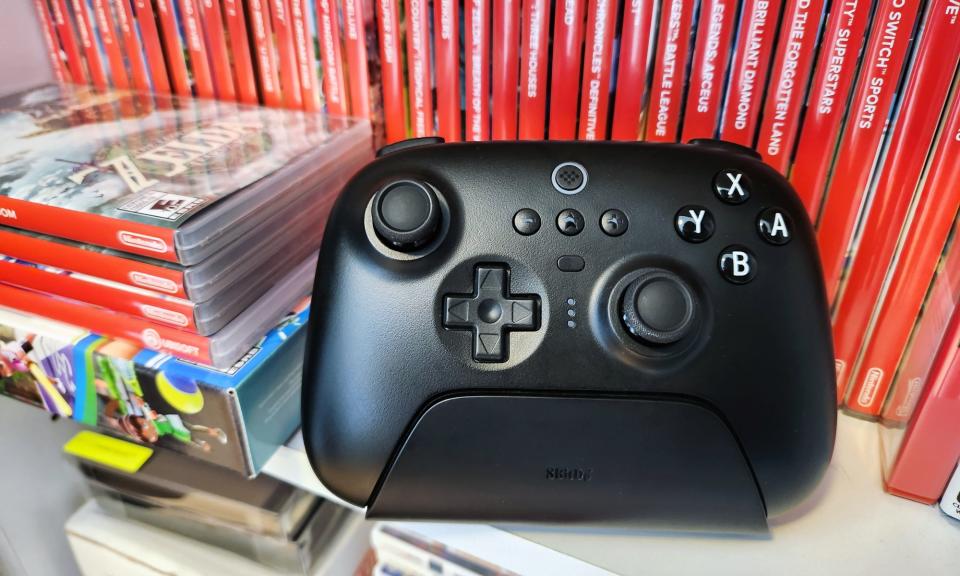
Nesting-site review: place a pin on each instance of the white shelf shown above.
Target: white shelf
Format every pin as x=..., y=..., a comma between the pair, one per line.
x=848, y=526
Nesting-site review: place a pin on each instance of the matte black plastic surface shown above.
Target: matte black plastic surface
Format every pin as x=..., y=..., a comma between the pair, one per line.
x=655, y=463
x=759, y=354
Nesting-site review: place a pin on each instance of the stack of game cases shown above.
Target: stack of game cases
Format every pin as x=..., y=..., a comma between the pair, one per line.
x=187, y=227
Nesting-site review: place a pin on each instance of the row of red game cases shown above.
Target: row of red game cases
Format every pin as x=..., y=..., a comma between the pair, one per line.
x=901, y=194
x=143, y=48
x=506, y=87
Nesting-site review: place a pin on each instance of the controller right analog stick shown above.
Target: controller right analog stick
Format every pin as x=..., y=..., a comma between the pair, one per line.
x=406, y=215
x=657, y=308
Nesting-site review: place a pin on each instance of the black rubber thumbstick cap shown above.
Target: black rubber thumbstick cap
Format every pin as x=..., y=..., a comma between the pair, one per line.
x=658, y=307
x=406, y=215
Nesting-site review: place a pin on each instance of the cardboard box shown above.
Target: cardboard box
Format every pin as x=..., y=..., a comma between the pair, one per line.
x=234, y=418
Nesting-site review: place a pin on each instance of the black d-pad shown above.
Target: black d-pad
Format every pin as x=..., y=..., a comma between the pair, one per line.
x=491, y=312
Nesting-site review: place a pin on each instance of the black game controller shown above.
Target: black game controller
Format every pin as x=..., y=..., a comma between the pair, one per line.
x=601, y=333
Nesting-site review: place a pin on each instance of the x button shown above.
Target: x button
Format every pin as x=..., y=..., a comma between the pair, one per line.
x=491, y=312
x=731, y=186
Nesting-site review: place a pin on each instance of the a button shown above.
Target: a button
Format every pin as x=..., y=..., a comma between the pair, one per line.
x=658, y=307
x=570, y=222
x=491, y=312
x=731, y=186
x=694, y=223
x=775, y=226
x=406, y=214
x=613, y=222
x=726, y=147
x=408, y=143
x=569, y=178
x=526, y=221
x=737, y=264
x=570, y=263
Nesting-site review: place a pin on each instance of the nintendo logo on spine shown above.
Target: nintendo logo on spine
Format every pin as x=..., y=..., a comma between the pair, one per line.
x=153, y=282
x=142, y=241
x=166, y=316
x=8, y=213
x=870, y=384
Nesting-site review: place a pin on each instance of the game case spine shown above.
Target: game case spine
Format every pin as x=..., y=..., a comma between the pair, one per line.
x=789, y=77
x=240, y=54
x=132, y=237
x=880, y=74
x=328, y=33
x=506, y=69
x=89, y=43
x=833, y=79
x=108, y=36
x=112, y=324
x=286, y=56
x=930, y=446
x=391, y=73
x=152, y=48
x=211, y=16
x=303, y=41
x=934, y=335
x=420, y=87
x=748, y=73
x=172, y=47
x=534, y=61
x=446, y=45
x=355, y=54
x=597, y=64
x=60, y=71
x=129, y=271
x=68, y=39
x=138, y=303
x=670, y=65
x=936, y=205
x=131, y=44
x=631, y=93
x=477, y=56
x=708, y=71
x=197, y=48
x=262, y=34
x=565, y=73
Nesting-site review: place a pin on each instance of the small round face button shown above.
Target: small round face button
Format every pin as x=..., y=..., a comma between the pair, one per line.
x=569, y=178
x=526, y=221
x=737, y=264
x=775, y=226
x=694, y=223
x=731, y=186
x=613, y=222
x=570, y=222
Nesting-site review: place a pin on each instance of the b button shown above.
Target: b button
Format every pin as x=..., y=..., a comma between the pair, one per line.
x=694, y=223
x=737, y=264
x=775, y=226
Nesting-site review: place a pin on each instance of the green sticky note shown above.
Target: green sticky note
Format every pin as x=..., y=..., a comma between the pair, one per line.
x=108, y=451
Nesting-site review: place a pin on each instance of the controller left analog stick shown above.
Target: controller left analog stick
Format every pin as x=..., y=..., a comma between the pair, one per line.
x=406, y=215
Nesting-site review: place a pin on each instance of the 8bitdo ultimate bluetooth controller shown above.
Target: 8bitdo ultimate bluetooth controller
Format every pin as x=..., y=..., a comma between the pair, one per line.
x=601, y=333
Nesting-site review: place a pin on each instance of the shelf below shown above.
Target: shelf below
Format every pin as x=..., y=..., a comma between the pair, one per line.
x=848, y=526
